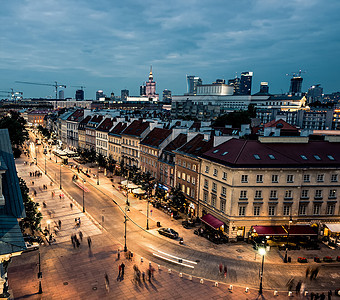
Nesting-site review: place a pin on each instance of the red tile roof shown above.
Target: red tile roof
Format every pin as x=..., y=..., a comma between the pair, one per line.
x=118, y=129
x=76, y=116
x=156, y=137
x=136, y=128
x=280, y=124
x=106, y=125
x=196, y=146
x=179, y=141
x=241, y=153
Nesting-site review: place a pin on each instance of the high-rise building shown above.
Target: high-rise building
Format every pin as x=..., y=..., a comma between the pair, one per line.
x=99, y=94
x=295, y=85
x=314, y=93
x=61, y=94
x=124, y=94
x=264, y=88
x=167, y=96
x=79, y=95
x=235, y=82
x=245, y=83
x=148, y=89
x=142, y=90
x=192, y=83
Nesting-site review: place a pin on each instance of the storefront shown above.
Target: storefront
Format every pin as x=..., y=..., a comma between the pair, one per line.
x=332, y=232
x=214, y=229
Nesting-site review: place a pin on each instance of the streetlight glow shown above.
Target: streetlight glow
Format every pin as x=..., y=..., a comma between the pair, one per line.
x=262, y=251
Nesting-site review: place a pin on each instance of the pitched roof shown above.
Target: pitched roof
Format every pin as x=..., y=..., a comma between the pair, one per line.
x=106, y=125
x=281, y=124
x=179, y=141
x=76, y=116
x=86, y=120
x=117, y=130
x=242, y=153
x=94, y=122
x=156, y=137
x=136, y=128
x=196, y=146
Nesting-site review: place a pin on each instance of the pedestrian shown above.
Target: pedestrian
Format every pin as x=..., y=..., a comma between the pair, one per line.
x=152, y=272
x=59, y=196
x=129, y=255
x=44, y=204
x=330, y=294
x=316, y=272
x=322, y=296
x=220, y=268
x=312, y=296
x=149, y=275
x=89, y=242
x=225, y=271
x=59, y=224
x=32, y=182
x=80, y=236
x=119, y=271
x=298, y=287
x=143, y=276
x=123, y=268
x=107, y=282
x=118, y=254
x=317, y=296
x=71, y=205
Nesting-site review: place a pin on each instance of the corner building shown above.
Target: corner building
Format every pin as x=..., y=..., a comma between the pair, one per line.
x=245, y=183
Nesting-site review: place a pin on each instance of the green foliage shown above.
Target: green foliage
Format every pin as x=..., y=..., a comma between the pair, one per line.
x=44, y=131
x=33, y=216
x=101, y=160
x=111, y=164
x=160, y=194
x=177, y=198
x=16, y=128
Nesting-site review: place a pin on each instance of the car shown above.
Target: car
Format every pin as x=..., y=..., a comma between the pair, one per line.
x=31, y=246
x=168, y=232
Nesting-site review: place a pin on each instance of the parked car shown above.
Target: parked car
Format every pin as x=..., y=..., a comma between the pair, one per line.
x=31, y=246
x=168, y=232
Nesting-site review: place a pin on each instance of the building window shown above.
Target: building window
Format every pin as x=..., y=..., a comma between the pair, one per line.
x=290, y=178
x=332, y=194
x=259, y=178
x=205, y=196
x=242, y=211
x=275, y=178
x=224, y=176
x=305, y=194
x=258, y=195
x=316, y=209
x=320, y=177
x=188, y=191
x=184, y=164
x=273, y=194
x=222, y=203
x=206, y=184
x=179, y=174
x=302, y=209
x=215, y=172
x=188, y=178
x=194, y=168
x=244, y=178
x=213, y=200
x=183, y=176
x=193, y=180
x=214, y=187
x=330, y=209
x=286, y=210
x=288, y=194
x=306, y=178
x=243, y=195
x=334, y=178
x=206, y=169
x=318, y=194
x=256, y=210
x=223, y=191
x=271, y=210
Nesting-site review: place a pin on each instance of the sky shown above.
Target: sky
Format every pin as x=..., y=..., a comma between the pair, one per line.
x=110, y=45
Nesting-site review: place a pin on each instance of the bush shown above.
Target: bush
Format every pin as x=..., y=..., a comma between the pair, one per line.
x=338, y=258
x=302, y=260
x=317, y=259
x=327, y=259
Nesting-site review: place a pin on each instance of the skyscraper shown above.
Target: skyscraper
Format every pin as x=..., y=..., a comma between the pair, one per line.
x=79, y=95
x=245, y=84
x=99, y=94
x=314, y=93
x=167, y=96
x=264, y=88
x=149, y=88
x=235, y=82
x=61, y=94
x=192, y=83
x=295, y=85
x=124, y=94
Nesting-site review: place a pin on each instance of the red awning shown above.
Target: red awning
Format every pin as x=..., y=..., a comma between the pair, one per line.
x=269, y=230
x=212, y=221
x=301, y=230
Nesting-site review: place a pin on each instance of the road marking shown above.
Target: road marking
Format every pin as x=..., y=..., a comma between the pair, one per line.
x=173, y=261
x=188, y=261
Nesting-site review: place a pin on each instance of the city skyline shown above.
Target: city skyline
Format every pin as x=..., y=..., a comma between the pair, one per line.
x=110, y=47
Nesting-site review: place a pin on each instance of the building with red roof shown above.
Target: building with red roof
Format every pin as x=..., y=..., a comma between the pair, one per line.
x=115, y=140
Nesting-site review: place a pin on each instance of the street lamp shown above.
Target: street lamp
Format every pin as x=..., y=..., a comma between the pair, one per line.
x=84, y=195
x=127, y=209
x=262, y=251
x=147, y=215
x=45, y=163
x=287, y=244
x=60, y=174
x=39, y=276
x=98, y=176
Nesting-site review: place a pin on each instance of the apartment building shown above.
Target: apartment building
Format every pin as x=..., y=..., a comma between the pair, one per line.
x=115, y=140
x=72, y=124
x=102, y=136
x=82, y=132
x=246, y=183
x=90, y=131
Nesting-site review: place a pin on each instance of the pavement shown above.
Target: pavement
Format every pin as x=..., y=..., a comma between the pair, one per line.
x=77, y=273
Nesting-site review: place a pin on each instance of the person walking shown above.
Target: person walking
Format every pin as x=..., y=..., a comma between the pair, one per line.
x=80, y=236
x=89, y=241
x=298, y=287
x=322, y=296
x=71, y=205
x=119, y=272
x=123, y=268
x=118, y=254
x=107, y=282
x=330, y=294
x=149, y=275
x=59, y=224
x=225, y=271
x=220, y=268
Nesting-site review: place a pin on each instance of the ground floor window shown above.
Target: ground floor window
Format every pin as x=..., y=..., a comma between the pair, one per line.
x=286, y=210
x=316, y=209
x=271, y=210
x=302, y=209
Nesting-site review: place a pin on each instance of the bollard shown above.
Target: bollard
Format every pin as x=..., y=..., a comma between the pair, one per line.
x=290, y=294
x=216, y=283
x=190, y=277
x=159, y=267
x=201, y=281
x=306, y=293
x=141, y=259
x=181, y=275
x=247, y=289
x=169, y=271
x=230, y=288
x=276, y=293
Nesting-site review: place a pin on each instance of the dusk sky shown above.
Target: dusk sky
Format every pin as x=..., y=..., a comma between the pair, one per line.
x=110, y=45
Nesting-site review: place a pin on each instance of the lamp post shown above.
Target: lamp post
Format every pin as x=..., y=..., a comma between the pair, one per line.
x=98, y=176
x=45, y=163
x=262, y=251
x=125, y=220
x=60, y=175
x=147, y=215
x=287, y=244
x=127, y=190
x=39, y=276
x=84, y=195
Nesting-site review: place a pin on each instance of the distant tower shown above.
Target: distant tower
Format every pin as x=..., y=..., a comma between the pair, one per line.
x=245, y=84
x=295, y=85
x=314, y=93
x=142, y=90
x=235, y=82
x=167, y=96
x=150, y=86
x=124, y=94
x=192, y=83
x=264, y=88
x=79, y=95
x=99, y=94
x=61, y=94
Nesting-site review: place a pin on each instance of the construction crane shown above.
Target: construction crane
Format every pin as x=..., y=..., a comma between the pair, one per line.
x=296, y=74
x=56, y=85
x=14, y=95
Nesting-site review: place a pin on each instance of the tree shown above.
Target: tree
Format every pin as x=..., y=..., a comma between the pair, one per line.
x=177, y=198
x=44, y=131
x=237, y=118
x=111, y=164
x=33, y=216
x=101, y=160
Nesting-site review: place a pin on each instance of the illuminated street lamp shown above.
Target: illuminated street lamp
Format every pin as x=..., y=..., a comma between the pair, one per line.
x=127, y=209
x=39, y=275
x=60, y=174
x=84, y=195
x=262, y=252
x=287, y=244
